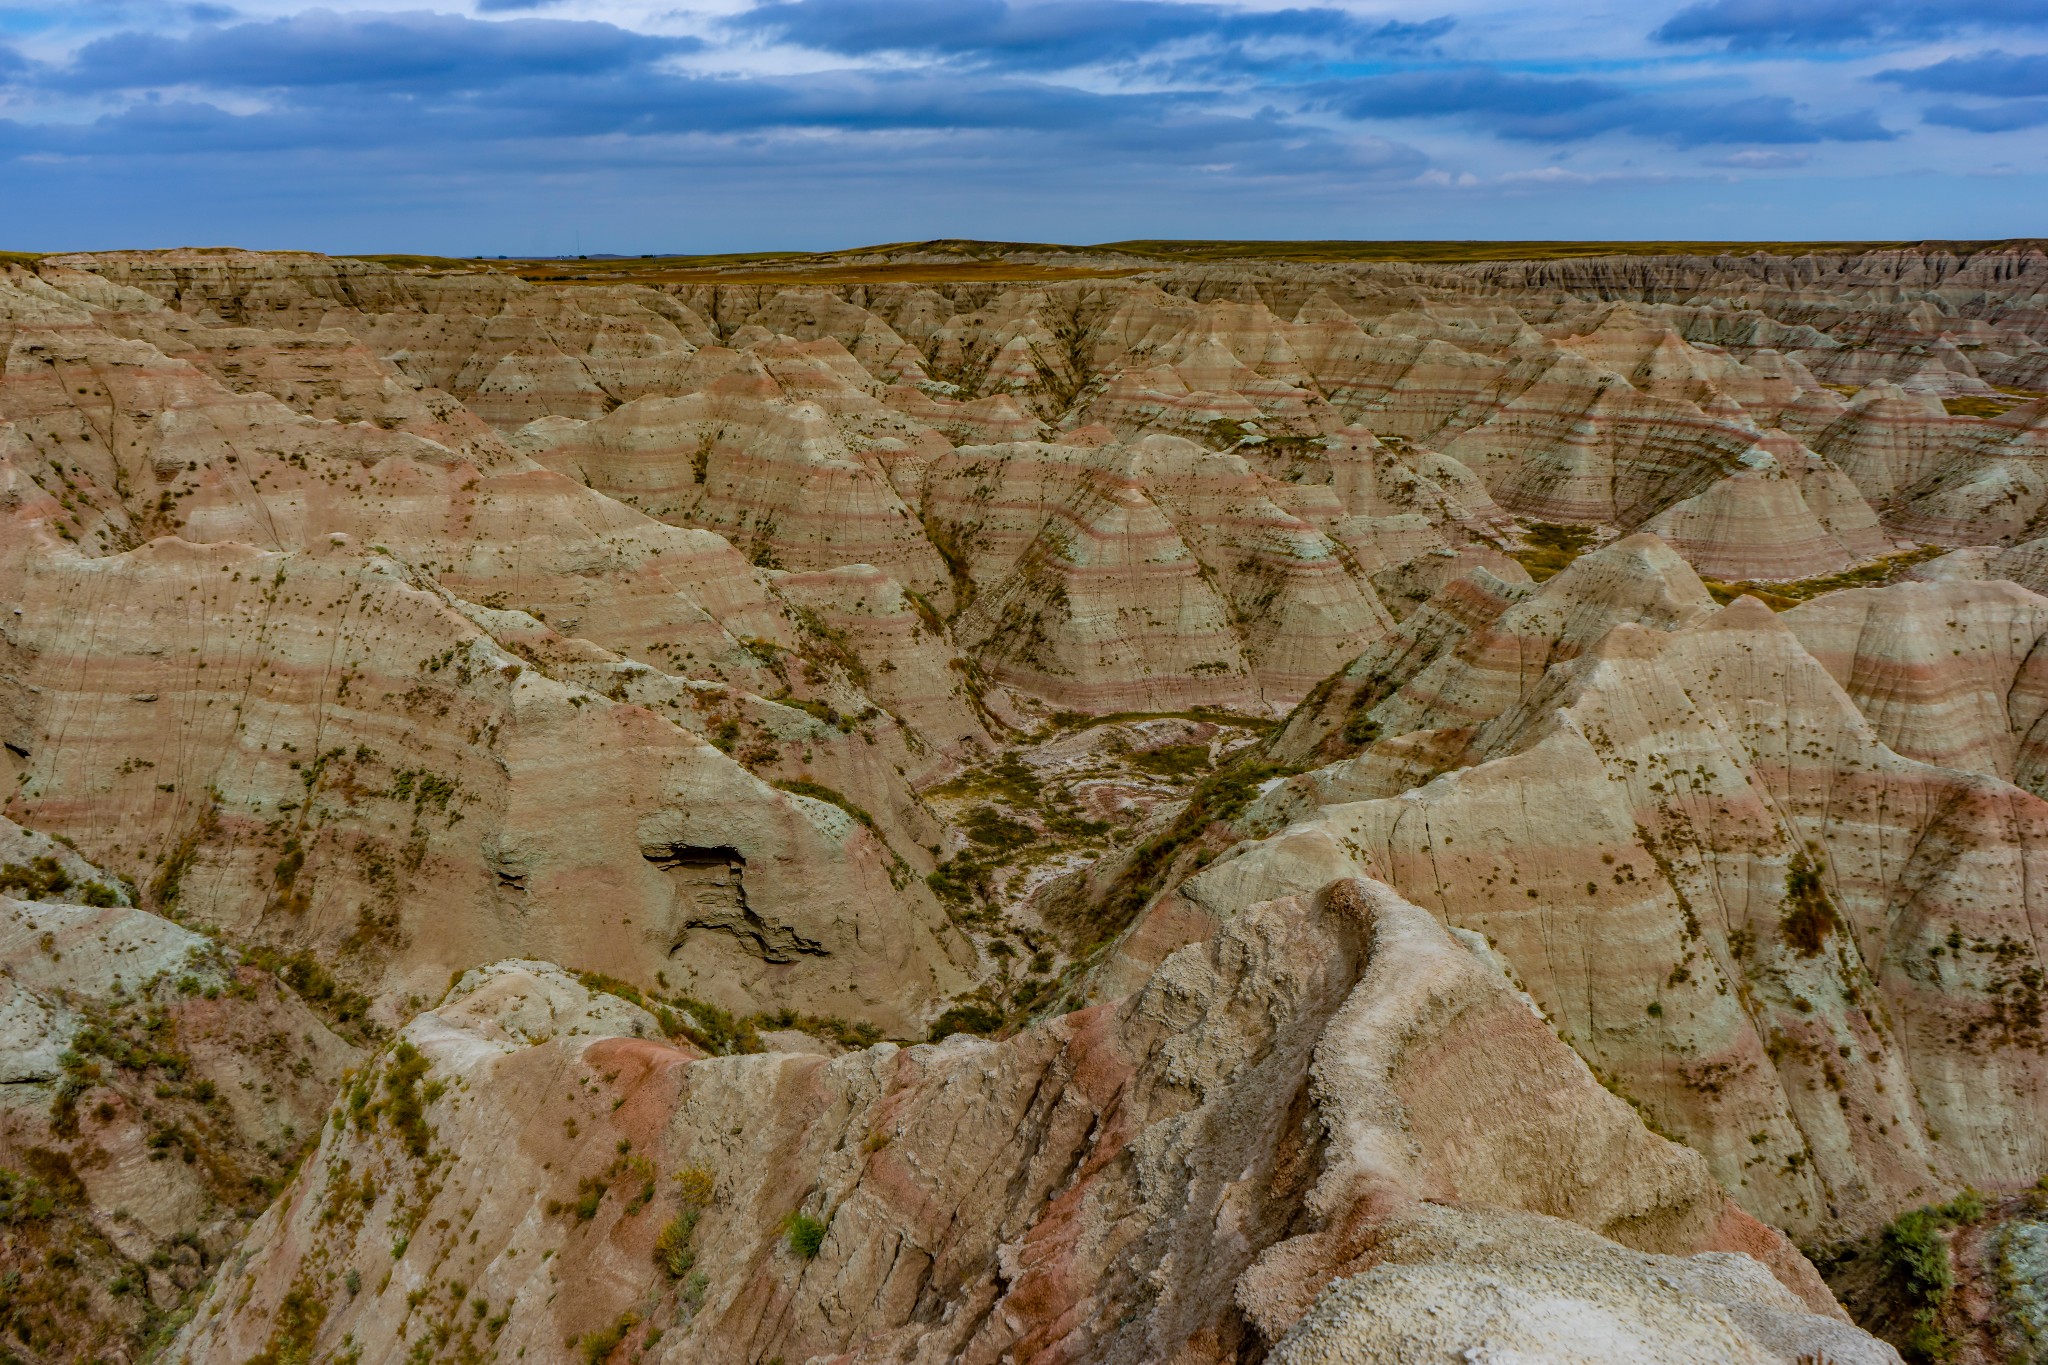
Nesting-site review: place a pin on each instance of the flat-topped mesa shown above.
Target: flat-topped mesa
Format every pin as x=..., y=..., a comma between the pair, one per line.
x=1019, y=1188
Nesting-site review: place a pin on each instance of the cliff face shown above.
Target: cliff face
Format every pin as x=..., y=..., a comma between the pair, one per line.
x=1177, y=1174
x=1840, y=925
x=154, y=1090
x=1292, y=738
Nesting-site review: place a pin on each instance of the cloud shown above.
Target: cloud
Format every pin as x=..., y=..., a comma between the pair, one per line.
x=1759, y=159
x=510, y=6
x=1069, y=33
x=323, y=48
x=368, y=80
x=2017, y=82
x=559, y=108
x=1548, y=109
x=1990, y=74
x=1755, y=24
x=2005, y=117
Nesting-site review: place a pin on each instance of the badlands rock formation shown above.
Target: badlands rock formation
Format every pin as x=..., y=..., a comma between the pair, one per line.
x=1232, y=811
x=154, y=1092
x=1181, y=1174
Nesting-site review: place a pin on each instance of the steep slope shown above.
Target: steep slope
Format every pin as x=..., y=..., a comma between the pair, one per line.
x=157, y=1093
x=1804, y=953
x=1178, y=1174
x=316, y=748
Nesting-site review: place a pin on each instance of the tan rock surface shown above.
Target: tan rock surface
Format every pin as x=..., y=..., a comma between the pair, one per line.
x=1118, y=1184
x=1827, y=916
x=807, y=664
x=156, y=1093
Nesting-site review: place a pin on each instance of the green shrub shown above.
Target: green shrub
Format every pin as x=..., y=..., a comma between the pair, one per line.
x=806, y=1235
x=1809, y=915
x=598, y=1346
x=1551, y=548
x=672, y=1250
x=695, y=1187
x=40, y=879
x=1917, y=1257
x=970, y=1018
x=803, y=786
x=1360, y=728
x=405, y=1099
x=997, y=832
x=1221, y=798
x=1177, y=761
x=24, y=1199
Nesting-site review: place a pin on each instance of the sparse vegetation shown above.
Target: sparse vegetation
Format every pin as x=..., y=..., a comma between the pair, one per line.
x=1809, y=916
x=1981, y=405
x=806, y=1235
x=44, y=878
x=1550, y=548
x=404, y=1101
x=1784, y=596
x=1916, y=1255
x=672, y=1249
x=967, y=1018
x=1220, y=798
x=345, y=1009
x=1176, y=763
x=599, y=1345
x=803, y=786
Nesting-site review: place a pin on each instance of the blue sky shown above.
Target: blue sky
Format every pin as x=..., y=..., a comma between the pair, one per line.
x=557, y=126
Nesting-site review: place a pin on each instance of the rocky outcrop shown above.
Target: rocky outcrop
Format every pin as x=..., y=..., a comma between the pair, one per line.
x=1948, y=673
x=744, y=666
x=155, y=1092
x=1838, y=932
x=1179, y=1174
x=317, y=748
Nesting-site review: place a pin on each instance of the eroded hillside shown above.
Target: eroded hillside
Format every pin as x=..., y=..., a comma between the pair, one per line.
x=1196, y=811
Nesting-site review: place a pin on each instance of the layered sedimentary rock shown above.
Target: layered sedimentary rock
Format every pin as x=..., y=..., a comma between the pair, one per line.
x=1843, y=964
x=1948, y=673
x=1097, y=569
x=315, y=748
x=753, y=673
x=152, y=1090
x=1180, y=1174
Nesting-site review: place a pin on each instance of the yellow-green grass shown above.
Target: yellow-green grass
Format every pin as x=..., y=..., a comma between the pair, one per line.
x=1780, y=596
